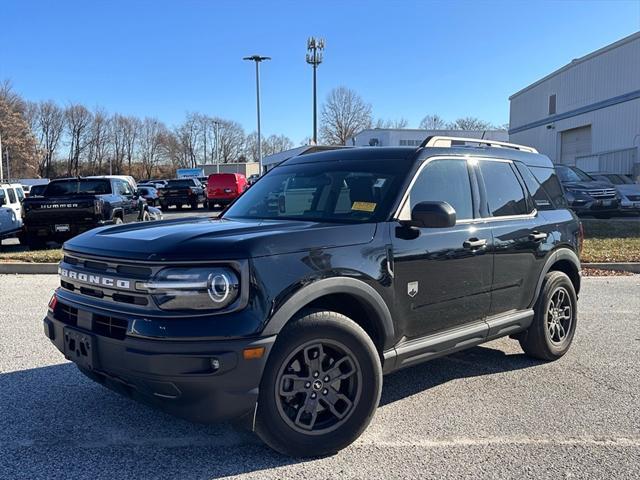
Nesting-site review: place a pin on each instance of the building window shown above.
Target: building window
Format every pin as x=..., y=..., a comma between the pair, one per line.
x=552, y=104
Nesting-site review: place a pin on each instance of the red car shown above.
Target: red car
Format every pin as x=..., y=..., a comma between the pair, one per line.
x=224, y=188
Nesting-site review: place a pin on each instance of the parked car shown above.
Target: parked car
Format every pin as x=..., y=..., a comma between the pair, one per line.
x=73, y=205
x=181, y=191
x=11, y=196
x=149, y=194
x=628, y=191
x=586, y=195
x=288, y=317
x=224, y=188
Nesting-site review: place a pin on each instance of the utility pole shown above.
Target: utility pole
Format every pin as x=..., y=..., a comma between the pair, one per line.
x=257, y=59
x=1, y=173
x=314, y=58
x=216, y=135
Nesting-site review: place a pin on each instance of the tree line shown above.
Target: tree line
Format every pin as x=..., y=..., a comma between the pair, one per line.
x=49, y=140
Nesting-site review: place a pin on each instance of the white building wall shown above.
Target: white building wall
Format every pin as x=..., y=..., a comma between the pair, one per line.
x=606, y=74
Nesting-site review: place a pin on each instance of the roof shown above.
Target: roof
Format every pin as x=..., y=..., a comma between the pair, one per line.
x=577, y=61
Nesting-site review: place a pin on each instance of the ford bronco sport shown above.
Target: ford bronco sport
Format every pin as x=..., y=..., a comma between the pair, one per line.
x=333, y=269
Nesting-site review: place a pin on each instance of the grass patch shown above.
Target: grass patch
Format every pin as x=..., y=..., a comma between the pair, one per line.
x=611, y=241
x=36, y=256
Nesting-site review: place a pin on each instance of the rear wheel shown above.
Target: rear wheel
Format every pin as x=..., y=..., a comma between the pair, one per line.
x=321, y=386
x=211, y=204
x=164, y=206
x=554, y=324
x=194, y=205
x=34, y=242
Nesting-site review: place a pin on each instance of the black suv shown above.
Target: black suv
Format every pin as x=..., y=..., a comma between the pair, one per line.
x=181, y=191
x=333, y=269
x=70, y=206
x=586, y=195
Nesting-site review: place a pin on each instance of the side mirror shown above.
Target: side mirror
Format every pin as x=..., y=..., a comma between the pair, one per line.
x=433, y=215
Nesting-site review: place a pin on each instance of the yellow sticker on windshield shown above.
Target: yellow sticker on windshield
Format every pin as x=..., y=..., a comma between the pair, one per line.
x=363, y=206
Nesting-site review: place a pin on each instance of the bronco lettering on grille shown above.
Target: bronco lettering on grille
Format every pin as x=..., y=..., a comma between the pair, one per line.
x=94, y=279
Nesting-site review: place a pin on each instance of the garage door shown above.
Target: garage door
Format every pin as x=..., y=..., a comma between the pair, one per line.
x=574, y=143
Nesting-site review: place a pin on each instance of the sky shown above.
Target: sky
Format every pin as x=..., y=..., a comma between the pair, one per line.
x=406, y=58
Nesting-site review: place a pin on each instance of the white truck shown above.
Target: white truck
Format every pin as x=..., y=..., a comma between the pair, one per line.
x=11, y=196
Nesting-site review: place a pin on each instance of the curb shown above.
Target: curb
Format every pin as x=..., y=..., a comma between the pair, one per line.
x=28, y=268
x=631, y=267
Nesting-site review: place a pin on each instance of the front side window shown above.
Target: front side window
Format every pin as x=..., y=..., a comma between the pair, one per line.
x=20, y=193
x=351, y=191
x=444, y=180
x=3, y=197
x=572, y=174
x=504, y=192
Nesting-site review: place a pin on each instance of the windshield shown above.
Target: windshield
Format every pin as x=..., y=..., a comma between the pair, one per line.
x=619, y=179
x=78, y=187
x=572, y=174
x=336, y=191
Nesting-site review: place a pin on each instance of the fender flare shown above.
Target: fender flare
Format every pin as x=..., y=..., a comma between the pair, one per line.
x=328, y=286
x=562, y=253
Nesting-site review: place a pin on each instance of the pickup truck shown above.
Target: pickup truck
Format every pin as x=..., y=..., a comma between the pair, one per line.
x=181, y=191
x=71, y=206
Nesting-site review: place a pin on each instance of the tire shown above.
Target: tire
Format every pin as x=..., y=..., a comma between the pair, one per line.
x=163, y=206
x=178, y=206
x=346, y=350
x=194, y=205
x=211, y=205
x=543, y=339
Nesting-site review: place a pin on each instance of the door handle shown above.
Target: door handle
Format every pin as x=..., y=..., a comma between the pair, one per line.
x=474, y=243
x=537, y=236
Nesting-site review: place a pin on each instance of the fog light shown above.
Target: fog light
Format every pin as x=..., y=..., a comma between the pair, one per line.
x=215, y=364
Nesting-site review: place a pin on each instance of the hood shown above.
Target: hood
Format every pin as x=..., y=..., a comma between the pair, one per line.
x=201, y=238
x=628, y=189
x=588, y=185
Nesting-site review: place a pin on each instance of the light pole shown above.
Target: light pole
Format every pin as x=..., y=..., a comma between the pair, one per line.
x=314, y=58
x=216, y=124
x=257, y=59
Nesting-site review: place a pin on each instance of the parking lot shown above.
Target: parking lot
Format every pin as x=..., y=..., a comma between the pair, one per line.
x=488, y=412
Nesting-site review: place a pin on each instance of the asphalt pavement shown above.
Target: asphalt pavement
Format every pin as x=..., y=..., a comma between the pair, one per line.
x=489, y=412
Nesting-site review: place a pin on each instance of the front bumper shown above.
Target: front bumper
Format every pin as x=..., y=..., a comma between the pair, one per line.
x=179, y=377
x=591, y=206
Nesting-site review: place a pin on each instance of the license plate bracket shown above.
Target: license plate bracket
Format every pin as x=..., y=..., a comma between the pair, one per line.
x=80, y=348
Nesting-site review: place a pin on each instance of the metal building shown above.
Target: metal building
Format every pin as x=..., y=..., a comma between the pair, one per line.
x=401, y=137
x=586, y=113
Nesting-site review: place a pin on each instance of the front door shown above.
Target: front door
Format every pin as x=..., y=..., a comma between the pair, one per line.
x=442, y=276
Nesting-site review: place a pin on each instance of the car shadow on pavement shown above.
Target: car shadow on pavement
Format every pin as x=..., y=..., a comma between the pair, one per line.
x=54, y=422
x=474, y=362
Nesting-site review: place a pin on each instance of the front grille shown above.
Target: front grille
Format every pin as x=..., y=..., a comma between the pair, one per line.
x=88, y=276
x=602, y=193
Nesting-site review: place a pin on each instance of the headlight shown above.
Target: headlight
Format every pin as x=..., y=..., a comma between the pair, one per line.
x=199, y=288
x=576, y=191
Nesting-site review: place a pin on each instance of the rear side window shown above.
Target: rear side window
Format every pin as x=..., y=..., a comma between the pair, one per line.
x=12, y=195
x=446, y=181
x=504, y=192
x=20, y=193
x=3, y=197
x=549, y=180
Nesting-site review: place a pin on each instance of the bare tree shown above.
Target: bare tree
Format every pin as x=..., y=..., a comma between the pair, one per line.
x=470, y=123
x=99, y=141
x=231, y=140
x=344, y=114
x=47, y=124
x=152, y=142
x=433, y=122
x=78, y=120
x=399, y=123
x=131, y=131
x=276, y=143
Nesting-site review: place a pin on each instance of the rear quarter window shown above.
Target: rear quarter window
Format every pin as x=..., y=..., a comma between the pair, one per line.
x=548, y=179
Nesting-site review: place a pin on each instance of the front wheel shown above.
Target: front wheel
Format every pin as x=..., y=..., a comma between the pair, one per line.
x=321, y=386
x=554, y=324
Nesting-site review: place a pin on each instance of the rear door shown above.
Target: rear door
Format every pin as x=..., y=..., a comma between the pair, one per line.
x=521, y=235
x=442, y=276
x=127, y=200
